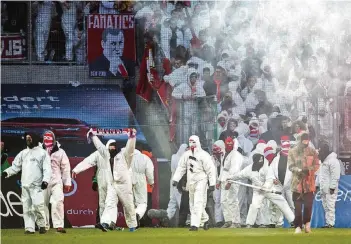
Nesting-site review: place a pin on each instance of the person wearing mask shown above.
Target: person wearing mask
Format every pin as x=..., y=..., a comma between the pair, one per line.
x=232, y=124
x=303, y=162
x=60, y=182
x=229, y=192
x=261, y=175
x=200, y=170
x=121, y=188
x=282, y=179
x=327, y=181
x=103, y=178
x=142, y=171
x=218, y=154
x=34, y=162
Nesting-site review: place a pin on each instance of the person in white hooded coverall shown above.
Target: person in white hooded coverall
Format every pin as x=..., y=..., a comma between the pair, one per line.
x=121, y=188
x=175, y=195
x=261, y=175
x=200, y=170
x=229, y=192
x=34, y=162
x=142, y=168
x=327, y=181
x=218, y=153
x=60, y=181
x=103, y=175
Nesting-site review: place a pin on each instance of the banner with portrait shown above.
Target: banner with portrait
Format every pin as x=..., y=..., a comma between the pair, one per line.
x=111, y=45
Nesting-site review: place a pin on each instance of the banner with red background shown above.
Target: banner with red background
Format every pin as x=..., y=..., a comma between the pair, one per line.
x=109, y=58
x=13, y=47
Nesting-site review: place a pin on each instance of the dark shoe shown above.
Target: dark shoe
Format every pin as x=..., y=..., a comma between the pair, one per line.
x=193, y=228
x=132, y=229
x=271, y=226
x=103, y=227
x=61, y=230
x=138, y=221
x=42, y=230
x=112, y=226
x=227, y=224
x=27, y=232
x=219, y=224
x=97, y=226
x=206, y=226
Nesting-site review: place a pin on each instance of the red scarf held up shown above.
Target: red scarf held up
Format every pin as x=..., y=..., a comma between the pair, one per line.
x=218, y=92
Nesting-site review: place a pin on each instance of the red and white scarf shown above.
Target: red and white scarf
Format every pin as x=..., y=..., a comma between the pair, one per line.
x=285, y=142
x=49, y=141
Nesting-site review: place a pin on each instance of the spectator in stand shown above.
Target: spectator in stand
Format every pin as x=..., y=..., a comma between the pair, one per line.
x=79, y=45
x=230, y=131
x=108, y=7
x=263, y=106
x=42, y=27
x=171, y=37
x=249, y=86
x=69, y=21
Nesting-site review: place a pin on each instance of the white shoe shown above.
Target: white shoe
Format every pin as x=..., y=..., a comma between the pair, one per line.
x=298, y=230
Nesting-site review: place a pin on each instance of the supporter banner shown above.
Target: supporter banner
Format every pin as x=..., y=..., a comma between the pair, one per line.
x=13, y=47
x=343, y=206
x=111, y=45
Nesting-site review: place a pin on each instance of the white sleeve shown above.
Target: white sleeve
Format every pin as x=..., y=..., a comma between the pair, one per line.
x=129, y=150
x=181, y=169
x=65, y=169
x=210, y=169
x=87, y=163
x=178, y=92
x=334, y=173
x=16, y=165
x=46, y=167
x=226, y=168
x=100, y=147
x=243, y=174
x=149, y=173
x=268, y=184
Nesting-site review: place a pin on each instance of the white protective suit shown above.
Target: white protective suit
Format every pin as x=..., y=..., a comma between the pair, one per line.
x=175, y=195
x=42, y=27
x=36, y=168
x=143, y=169
x=263, y=178
x=244, y=194
x=277, y=217
x=61, y=176
x=200, y=170
x=217, y=192
x=229, y=198
x=69, y=20
x=103, y=175
x=328, y=178
x=121, y=188
x=190, y=107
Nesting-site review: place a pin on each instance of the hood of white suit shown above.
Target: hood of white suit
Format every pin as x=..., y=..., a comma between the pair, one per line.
x=109, y=142
x=196, y=140
x=182, y=149
x=221, y=145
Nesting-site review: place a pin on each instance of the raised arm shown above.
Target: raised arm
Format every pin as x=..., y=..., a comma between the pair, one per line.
x=130, y=147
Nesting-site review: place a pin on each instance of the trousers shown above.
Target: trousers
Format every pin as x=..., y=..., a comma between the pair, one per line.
x=33, y=207
x=305, y=199
x=197, y=202
x=54, y=195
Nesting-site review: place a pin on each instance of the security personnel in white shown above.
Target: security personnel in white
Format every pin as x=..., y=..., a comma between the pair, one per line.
x=103, y=175
x=121, y=188
x=261, y=175
x=142, y=169
x=200, y=170
x=34, y=162
x=329, y=175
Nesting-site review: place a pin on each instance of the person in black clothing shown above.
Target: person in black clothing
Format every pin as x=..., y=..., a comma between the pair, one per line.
x=230, y=131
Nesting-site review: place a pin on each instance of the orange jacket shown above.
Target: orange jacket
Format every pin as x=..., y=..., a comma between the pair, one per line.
x=149, y=154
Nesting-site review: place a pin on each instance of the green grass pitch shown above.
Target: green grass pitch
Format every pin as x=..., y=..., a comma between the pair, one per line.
x=180, y=236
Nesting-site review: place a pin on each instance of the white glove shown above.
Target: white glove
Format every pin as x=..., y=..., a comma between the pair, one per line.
x=132, y=133
x=90, y=133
